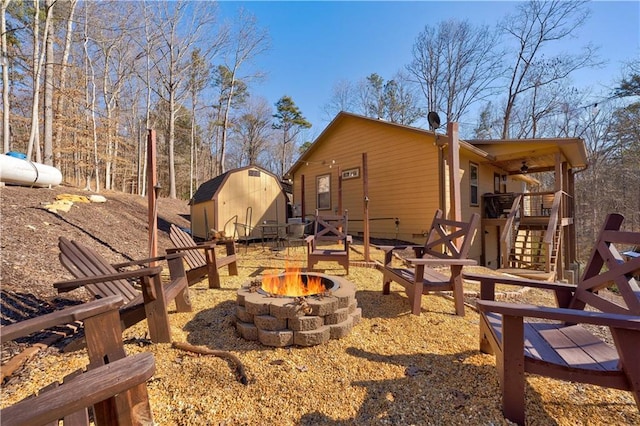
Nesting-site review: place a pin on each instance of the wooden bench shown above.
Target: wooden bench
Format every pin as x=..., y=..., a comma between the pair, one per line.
x=114, y=384
x=103, y=279
x=555, y=344
x=441, y=248
x=201, y=258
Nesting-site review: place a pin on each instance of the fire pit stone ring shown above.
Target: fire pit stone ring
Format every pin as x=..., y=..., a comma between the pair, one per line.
x=281, y=321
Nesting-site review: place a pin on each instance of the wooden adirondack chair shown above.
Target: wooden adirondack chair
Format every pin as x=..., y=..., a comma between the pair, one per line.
x=103, y=279
x=560, y=347
x=331, y=229
x=114, y=384
x=441, y=249
x=201, y=258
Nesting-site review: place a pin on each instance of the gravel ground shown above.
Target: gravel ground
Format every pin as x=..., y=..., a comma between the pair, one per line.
x=393, y=368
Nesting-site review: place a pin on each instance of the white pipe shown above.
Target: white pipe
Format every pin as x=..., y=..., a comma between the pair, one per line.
x=17, y=171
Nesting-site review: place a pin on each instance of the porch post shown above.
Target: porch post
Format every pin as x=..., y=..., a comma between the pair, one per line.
x=454, y=171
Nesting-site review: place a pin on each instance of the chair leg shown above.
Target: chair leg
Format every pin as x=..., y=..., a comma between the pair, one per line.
x=212, y=268
x=511, y=369
x=628, y=343
x=458, y=289
x=416, y=297
x=415, y=294
x=176, y=272
x=156, y=313
x=231, y=251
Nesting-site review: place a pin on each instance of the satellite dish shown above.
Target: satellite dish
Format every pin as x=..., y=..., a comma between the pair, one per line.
x=434, y=120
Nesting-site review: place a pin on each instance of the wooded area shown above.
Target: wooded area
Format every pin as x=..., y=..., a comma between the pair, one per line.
x=82, y=81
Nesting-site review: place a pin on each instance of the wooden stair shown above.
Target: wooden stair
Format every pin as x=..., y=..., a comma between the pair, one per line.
x=528, y=251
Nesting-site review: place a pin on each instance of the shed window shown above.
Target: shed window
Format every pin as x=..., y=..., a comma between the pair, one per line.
x=323, y=189
x=473, y=183
x=254, y=173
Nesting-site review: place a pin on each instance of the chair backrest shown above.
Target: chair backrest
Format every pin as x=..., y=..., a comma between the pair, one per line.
x=606, y=267
x=83, y=262
x=450, y=239
x=179, y=238
x=242, y=231
x=270, y=229
x=332, y=228
x=296, y=230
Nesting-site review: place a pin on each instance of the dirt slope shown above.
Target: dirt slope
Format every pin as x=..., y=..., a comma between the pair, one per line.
x=29, y=233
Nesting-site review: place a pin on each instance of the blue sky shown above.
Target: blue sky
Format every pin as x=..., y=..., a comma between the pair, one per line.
x=316, y=44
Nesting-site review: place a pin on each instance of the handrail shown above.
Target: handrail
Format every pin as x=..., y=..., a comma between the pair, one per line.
x=553, y=217
x=506, y=238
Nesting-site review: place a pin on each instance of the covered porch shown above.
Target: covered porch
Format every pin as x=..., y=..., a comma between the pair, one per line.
x=535, y=233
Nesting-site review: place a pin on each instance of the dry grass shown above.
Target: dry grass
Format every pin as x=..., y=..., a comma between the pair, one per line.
x=393, y=368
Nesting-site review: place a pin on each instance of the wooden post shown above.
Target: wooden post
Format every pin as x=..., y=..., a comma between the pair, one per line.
x=302, y=209
x=454, y=172
x=454, y=175
x=152, y=181
x=340, y=211
x=365, y=217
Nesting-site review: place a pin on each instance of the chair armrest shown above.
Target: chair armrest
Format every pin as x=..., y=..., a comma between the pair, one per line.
x=523, y=282
x=145, y=262
x=428, y=262
x=631, y=322
x=309, y=238
x=564, y=292
x=69, y=285
x=82, y=391
x=63, y=316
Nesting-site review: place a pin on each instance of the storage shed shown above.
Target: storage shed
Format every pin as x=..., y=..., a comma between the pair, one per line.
x=248, y=195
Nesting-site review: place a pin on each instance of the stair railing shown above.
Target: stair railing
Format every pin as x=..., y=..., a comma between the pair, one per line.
x=510, y=230
x=549, y=239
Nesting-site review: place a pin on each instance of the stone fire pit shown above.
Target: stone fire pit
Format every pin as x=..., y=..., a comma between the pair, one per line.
x=305, y=321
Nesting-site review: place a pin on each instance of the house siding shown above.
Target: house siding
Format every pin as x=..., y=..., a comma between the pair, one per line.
x=403, y=177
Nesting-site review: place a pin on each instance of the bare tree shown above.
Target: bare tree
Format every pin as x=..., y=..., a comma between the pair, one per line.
x=456, y=65
x=199, y=75
x=38, y=62
x=115, y=54
x=62, y=85
x=248, y=41
x=182, y=26
x=48, y=92
x=253, y=131
x=535, y=25
x=342, y=98
x=6, y=130
x=90, y=102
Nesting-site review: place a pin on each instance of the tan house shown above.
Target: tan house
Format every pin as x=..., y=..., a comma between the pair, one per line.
x=248, y=195
x=401, y=175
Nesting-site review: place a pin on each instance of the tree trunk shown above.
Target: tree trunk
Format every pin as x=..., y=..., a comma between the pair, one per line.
x=60, y=104
x=48, y=93
x=6, y=130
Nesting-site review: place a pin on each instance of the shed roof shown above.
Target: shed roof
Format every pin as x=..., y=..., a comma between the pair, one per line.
x=208, y=189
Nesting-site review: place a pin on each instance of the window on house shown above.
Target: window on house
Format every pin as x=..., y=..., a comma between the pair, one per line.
x=473, y=183
x=323, y=189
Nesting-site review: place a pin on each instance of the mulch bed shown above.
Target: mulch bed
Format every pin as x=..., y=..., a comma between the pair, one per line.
x=393, y=368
